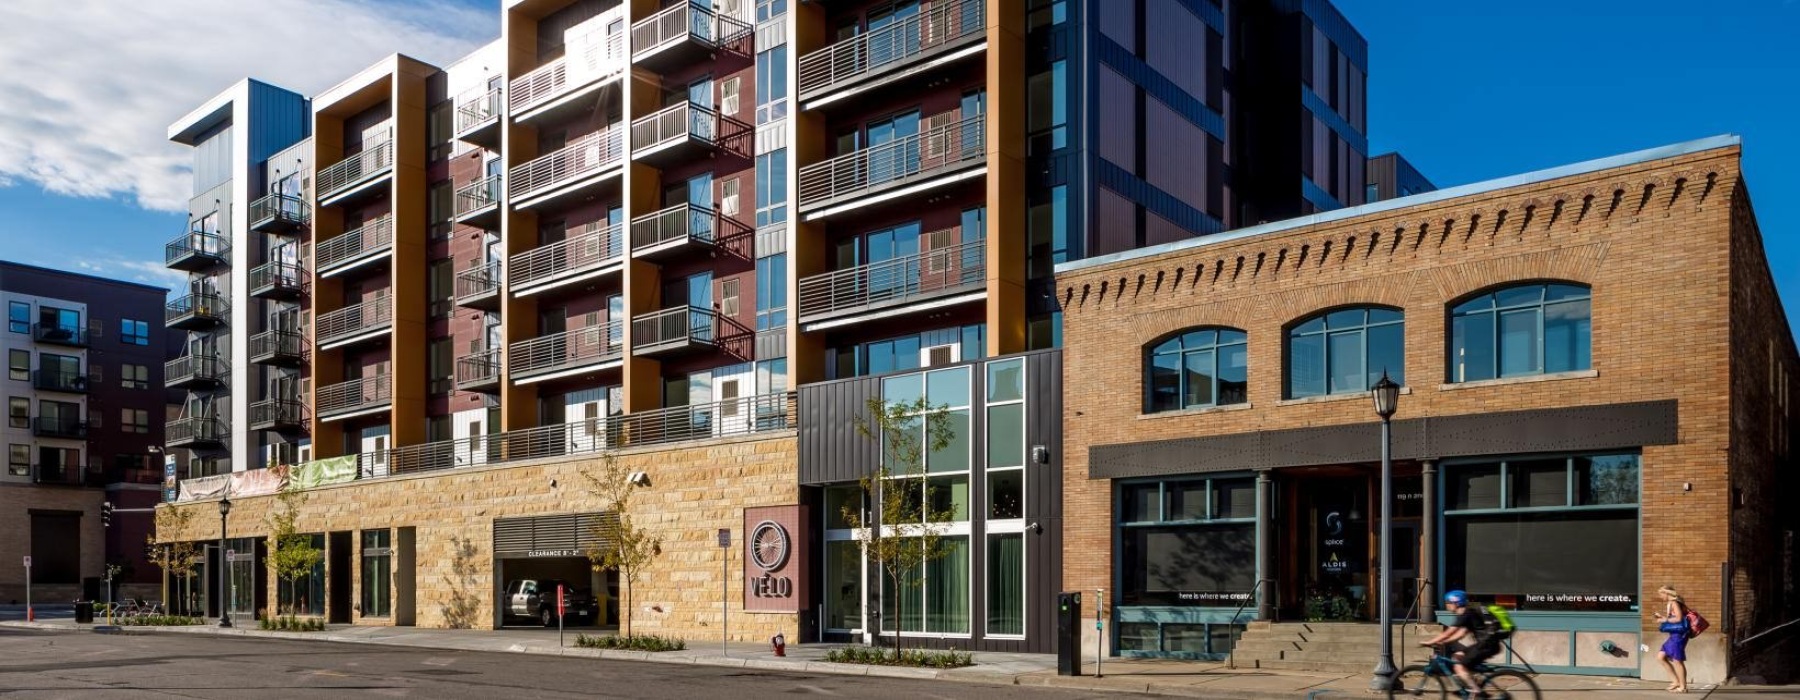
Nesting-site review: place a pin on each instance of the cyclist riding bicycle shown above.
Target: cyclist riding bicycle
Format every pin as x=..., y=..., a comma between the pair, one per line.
x=1480, y=632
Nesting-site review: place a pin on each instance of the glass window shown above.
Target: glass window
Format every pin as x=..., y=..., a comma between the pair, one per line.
x=377, y=574
x=134, y=332
x=306, y=595
x=1006, y=494
x=1006, y=380
x=18, y=459
x=770, y=9
x=1538, y=483
x=771, y=292
x=1345, y=352
x=1198, y=549
x=838, y=498
x=771, y=187
x=1474, y=487
x=843, y=585
x=134, y=376
x=771, y=84
x=1006, y=584
x=18, y=412
x=1606, y=480
x=18, y=365
x=18, y=317
x=1521, y=331
x=1207, y=367
x=1006, y=435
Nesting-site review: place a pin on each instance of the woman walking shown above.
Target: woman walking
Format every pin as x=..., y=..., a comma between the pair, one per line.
x=1673, y=654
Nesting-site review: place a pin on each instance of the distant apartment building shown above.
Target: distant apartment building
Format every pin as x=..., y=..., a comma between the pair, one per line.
x=1391, y=175
x=84, y=404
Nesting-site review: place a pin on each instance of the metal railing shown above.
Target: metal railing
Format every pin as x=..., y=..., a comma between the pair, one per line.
x=1231, y=654
x=674, y=123
x=931, y=150
x=478, y=195
x=182, y=431
x=374, y=159
x=583, y=156
x=370, y=315
x=69, y=382
x=276, y=343
x=278, y=207
x=276, y=275
x=196, y=244
x=674, y=327
x=892, y=45
x=194, y=368
x=355, y=394
x=679, y=222
x=574, y=348
x=65, y=475
x=593, y=245
x=912, y=276
x=58, y=334
x=58, y=427
x=479, y=367
x=203, y=305
x=277, y=412
x=551, y=80
x=682, y=21
x=477, y=107
x=478, y=281
x=374, y=236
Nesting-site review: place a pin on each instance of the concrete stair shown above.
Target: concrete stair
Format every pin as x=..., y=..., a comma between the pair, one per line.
x=1334, y=647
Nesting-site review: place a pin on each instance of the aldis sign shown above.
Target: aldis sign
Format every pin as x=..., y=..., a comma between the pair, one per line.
x=775, y=559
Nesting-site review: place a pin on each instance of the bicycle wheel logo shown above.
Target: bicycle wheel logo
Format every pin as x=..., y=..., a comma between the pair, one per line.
x=769, y=545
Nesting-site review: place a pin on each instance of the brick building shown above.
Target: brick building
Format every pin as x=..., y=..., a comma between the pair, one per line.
x=1598, y=379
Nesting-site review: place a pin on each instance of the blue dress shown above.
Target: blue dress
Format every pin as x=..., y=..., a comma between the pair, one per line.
x=1675, y=647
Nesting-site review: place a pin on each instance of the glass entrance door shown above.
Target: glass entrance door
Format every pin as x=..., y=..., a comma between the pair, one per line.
x=1329, y=543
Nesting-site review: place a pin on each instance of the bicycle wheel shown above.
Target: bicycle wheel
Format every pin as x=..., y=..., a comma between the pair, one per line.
x=1510, y=684
x=1417, y=682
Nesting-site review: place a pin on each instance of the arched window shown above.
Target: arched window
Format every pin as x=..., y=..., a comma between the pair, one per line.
x=1205, y=367
x=1345, y=351
x=1520, y=331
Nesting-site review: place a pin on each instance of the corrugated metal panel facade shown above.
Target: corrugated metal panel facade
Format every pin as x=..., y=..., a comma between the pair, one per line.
x=278, y=119
x=568, y=532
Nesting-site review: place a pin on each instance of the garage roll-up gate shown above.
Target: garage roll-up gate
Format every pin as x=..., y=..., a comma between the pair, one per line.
x=567, y=535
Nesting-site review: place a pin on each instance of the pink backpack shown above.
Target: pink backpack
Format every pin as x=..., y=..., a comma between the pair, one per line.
x=1696, y=623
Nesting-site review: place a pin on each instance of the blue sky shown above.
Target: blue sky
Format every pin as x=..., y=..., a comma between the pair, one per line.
x=1468, y=91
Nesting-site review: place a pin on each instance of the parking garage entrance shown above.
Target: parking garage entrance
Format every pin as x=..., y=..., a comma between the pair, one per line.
x=550, y=548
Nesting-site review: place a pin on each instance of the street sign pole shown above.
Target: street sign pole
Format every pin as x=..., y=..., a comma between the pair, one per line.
x=28, y=612
x=559, y=614
x=1099, y=654
x=725, y=587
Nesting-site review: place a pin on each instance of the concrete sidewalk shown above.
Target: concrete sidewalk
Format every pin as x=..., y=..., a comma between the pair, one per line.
x=1156, y=677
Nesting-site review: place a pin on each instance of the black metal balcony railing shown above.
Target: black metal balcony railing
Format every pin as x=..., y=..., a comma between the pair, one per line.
x=683, y=222
x=59, y=427
x=277, y=347
x=364, y=241
x=479, y=285
x=195, y=370
x=936, y=150
x=580, y=347
x=196, y=250
x=590, y=247
x=372, y=161
x=476, y=108
x=478, y=370
x=66, y=475
x=58, y=334
x=277, y=414
x=355, y=395
x=582, y=157
x=678, y=328
x=277, y=280
x=893, y=46
x=195, y=311
x=478, y=195
x=276, y=213
x=66, y=381
x=926, y=275
x=194, y=432
x=350, y=321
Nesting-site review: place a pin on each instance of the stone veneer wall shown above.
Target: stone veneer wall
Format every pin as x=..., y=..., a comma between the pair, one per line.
x=694, y=490
x=16, y=503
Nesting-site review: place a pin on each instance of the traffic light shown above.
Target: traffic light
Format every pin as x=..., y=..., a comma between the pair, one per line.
x=106, y=514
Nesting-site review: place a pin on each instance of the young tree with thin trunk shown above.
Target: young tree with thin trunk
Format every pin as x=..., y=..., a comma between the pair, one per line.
x=902, y=529
x=175, y=558
x=619, y=544
x=293, y=556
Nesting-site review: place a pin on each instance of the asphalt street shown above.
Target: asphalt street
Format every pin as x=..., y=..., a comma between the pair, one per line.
x=91, y=665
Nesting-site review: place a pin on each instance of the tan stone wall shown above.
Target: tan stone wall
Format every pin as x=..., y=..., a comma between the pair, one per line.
x=694, y=491
x=1650, y=239
x=16, y=503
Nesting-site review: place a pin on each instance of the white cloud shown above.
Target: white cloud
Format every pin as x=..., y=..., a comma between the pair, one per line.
x=145, y=271
x=92, y=85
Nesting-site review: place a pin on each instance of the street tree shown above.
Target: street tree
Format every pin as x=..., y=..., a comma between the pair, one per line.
x=293, y=556
x=900, y=521
x=619, y=544
x=175, y=557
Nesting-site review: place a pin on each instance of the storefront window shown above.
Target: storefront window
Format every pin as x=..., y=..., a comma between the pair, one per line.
x=305, y=595
x=377, y=573
x=1188, y=542
x=1545, y=533
x=241, y=575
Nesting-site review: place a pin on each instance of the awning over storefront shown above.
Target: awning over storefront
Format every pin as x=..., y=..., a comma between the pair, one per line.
x=564, y=535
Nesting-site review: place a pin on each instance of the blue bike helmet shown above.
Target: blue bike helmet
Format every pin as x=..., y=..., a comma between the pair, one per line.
x=1456, y=598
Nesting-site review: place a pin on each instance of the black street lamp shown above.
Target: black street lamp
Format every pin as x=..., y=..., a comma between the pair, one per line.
x=1387, y=399
x=224, y=600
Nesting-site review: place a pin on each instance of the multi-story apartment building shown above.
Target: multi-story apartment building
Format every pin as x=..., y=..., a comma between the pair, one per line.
x=84, y=403
x=1391, y=175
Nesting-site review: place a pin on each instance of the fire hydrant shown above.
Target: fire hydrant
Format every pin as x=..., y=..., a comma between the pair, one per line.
x=779, y=641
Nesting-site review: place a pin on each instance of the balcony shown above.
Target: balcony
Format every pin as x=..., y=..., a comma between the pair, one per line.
x=924, y=161
x=942, y=34
x=571, y=170
x=67, y=475
x=58, y=334
x=680, y=35
x=479, y=287
x=195, y=371
x=356, y=247
x=355, y=397
x=675, y=331
x=280, y=415
x=672, y=232
x=479, y=371
x=196, y=251
x=941, y=275
x=65, y=427
x=593, y=251
x=568, y=353
x=478, y=117
x=65, y=381
x=277, y=280
x=280, y=348
x=195, y=312
x=356, y=174
x=555, y=89
x=677, y=134
x=194, y=433
x=278, y=213
x=478, y=203
x=352, y=324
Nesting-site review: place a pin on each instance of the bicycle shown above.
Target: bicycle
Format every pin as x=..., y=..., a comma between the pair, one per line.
x=1418, y=681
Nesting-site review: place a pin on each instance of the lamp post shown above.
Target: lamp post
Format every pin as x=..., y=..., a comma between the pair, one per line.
x=1387, y=398
x=224, y=600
